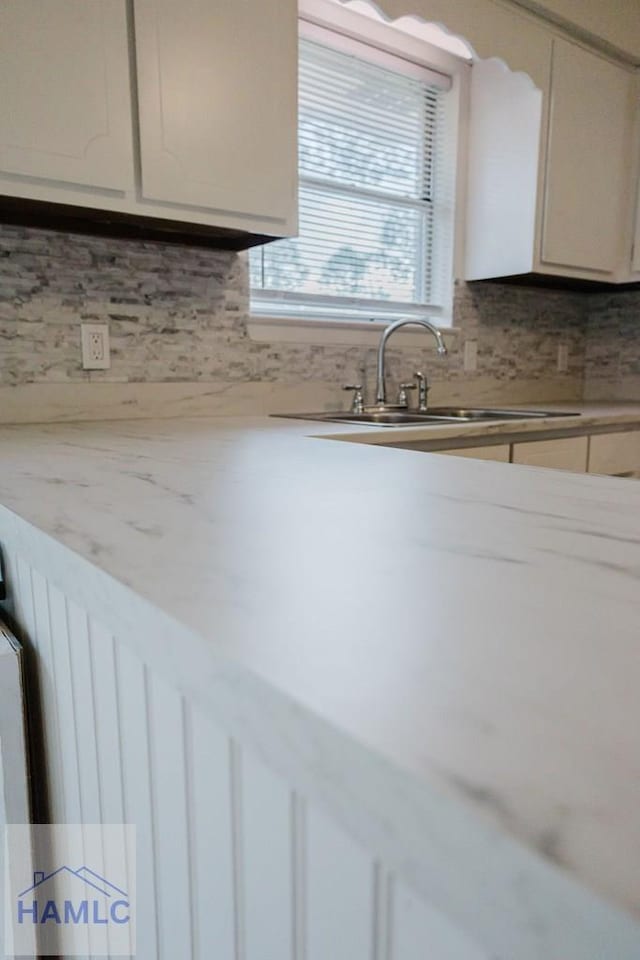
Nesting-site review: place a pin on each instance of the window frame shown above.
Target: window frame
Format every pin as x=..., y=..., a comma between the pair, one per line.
x=375, y=40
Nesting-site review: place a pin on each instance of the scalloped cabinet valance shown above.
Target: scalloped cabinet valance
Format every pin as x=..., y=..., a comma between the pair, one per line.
x=196, y=132
x=552, y=145
x=490, y=29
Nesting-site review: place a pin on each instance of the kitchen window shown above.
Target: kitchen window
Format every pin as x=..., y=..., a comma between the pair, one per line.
x=377, y=174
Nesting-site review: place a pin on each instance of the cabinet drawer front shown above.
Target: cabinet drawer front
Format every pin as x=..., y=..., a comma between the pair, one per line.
x=497, y=452
x=567, y=454
x=612, y=453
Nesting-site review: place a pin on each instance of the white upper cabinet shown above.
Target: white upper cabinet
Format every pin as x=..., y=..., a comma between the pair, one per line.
x=588, y=171
x=550, y=178
x=217, y=87
x=65, y=103
x=505, y=120
x=204, y=135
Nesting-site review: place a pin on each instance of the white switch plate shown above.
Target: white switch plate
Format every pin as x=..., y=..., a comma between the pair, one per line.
x=96, y=353
x=563, y=358
x=470, y=355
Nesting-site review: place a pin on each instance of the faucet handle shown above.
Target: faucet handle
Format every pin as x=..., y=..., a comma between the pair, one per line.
x=423, y=390
x=403, y=396
x=357, y=404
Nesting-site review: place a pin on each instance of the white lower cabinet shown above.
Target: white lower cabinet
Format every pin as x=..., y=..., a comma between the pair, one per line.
x=569, y=453
x=605, y=453
x=564, y=454
x=499, y=452
x=613, y=453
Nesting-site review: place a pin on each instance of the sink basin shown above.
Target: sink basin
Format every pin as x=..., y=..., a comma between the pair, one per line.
x=475, y=413
x=399, y=418
x=381, y=418
x=385, y=418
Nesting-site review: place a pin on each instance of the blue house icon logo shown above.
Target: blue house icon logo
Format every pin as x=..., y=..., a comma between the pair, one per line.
x=72, y=897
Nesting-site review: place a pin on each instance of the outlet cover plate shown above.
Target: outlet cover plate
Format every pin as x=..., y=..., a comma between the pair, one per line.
x=563, y=358
x=96, y=353
x=470, y=355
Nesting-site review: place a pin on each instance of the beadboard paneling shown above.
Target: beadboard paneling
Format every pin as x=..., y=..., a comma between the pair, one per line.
x=169, y=815
x=267, y=858
x=136, y=786
x=211, y=837
x=341, y=900
x=231, y=861
x=418, y=932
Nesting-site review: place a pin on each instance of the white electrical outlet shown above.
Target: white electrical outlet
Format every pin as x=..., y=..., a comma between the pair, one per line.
x=96, y=354
x=470, y=355
x=563, y=358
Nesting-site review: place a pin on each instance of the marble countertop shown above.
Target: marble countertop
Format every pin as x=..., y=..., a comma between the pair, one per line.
x=476, y=624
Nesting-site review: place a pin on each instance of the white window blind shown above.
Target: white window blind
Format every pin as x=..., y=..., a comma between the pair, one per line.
x=369, y=128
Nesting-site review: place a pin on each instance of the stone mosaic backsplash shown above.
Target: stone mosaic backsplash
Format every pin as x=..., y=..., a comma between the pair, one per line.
x=612, y=347
x=179, y=315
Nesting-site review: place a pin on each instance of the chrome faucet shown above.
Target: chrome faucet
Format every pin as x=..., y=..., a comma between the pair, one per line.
x=381, y=390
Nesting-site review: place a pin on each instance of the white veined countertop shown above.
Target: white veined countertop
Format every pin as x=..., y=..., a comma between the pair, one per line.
x=474, y=625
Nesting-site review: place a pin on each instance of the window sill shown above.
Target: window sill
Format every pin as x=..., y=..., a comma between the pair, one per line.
x=323, y=332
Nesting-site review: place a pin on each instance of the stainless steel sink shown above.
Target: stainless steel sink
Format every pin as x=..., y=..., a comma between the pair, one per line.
x=475, y=413
x=385, y=418
x=399, y=418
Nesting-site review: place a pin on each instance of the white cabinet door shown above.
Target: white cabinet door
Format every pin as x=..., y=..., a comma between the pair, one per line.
x=587, y=189
x=566, y=454
x=494, y=452
x=217, y=92
x=612, y=453
x=65, y=103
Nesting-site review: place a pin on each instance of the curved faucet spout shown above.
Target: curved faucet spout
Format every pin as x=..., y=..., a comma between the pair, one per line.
x=381, y=390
